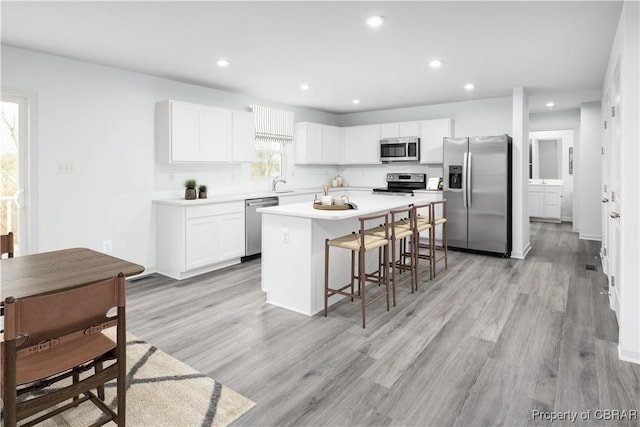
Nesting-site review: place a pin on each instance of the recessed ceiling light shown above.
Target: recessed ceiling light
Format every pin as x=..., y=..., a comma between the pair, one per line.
x=304, y=86
x=222, y=63
x=375, y=21
x=356, y=101
x=436, y=63
x=469, y=86
x=550, y=104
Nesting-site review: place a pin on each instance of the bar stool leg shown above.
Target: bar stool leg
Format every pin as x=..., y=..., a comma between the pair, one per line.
x=362, y=289
x=326, y=276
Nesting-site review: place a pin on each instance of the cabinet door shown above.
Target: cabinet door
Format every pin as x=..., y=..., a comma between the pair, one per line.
x=370, y=144
x=409, y=129
x=201, y=237
x=553, y=203
x=185, y=132
x=352, y=145
x=308, y=143
x=215, y=134
x=243, y=137
x=330, y=144
x=230, y=236
x=431, y=134
x=536, y=201
x=389, y=130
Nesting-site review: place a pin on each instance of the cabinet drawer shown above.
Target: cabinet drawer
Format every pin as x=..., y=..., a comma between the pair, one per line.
x=213, y=209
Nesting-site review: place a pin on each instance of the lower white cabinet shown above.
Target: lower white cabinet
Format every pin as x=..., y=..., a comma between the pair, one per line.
x=196, y=239
x=545, y=202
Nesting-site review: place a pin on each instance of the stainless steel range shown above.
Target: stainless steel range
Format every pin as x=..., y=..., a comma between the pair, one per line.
x=403, y=184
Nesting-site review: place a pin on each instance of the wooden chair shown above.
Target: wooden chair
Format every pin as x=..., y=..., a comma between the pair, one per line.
x=361, y=243
x=56, y=336
x=6, y=244
x=401, y=228
x=440, y=219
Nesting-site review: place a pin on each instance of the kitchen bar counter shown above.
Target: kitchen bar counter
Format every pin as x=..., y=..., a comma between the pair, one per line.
x=293, y=239
x=232, y=197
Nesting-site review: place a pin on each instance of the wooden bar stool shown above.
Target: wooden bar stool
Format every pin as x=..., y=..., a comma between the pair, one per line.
x=440, y=219
x=361, y=242
x=400, y=229
x=422, y=214
x=6, y=244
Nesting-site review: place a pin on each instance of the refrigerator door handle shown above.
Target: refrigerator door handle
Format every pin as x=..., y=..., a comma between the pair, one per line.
x=464, y=180
x=469, y=180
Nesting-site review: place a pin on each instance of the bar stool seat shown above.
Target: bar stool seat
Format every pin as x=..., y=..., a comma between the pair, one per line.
x=353, y=242
x=361, y=243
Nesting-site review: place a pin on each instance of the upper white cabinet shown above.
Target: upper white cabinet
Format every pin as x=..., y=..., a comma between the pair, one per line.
x=431, y=134
x=317, y=144
x=362, y=145
x=244, y=137
x=400, y=129
x=188, y=132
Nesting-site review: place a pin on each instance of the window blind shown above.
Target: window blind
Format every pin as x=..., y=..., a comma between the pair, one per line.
x=272, y=124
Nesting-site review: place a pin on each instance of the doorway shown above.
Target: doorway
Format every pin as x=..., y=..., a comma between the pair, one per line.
x=14, y=173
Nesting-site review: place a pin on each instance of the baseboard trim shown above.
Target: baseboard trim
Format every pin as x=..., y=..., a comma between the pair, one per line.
x=595, y=237
x=629, y=355
x=523, y=254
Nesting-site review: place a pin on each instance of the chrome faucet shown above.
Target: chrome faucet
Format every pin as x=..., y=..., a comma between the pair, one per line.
x=275, y=182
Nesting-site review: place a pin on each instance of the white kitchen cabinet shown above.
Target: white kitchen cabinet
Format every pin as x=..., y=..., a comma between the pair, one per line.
x=331, y=144
x=361, y=145
x=188, y=133
x=431, y=134
x=545, y=202
x=400, y=129
x=196, y=239
x=243, y=136
x=316, y=143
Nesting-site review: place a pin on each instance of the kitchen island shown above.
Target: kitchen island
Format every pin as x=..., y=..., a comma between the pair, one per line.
x=293, y=239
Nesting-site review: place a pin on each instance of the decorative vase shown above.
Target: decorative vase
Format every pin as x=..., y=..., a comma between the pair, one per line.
x=190, y=194
x=202, y=195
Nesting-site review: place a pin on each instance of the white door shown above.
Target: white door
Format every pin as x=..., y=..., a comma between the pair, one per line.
x=616, y=196
x=604, y=187
x=14, y=172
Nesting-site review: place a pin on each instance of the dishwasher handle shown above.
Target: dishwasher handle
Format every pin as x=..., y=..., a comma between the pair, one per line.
x=262, y=202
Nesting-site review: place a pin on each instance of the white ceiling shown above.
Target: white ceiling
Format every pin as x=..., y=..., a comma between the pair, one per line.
x=559, y=50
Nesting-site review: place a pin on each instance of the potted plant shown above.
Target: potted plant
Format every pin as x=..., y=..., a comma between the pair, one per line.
x=202, y=191
x=190, y=191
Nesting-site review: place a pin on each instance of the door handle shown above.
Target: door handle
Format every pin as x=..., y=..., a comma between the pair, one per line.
x=614, y=215
x=605, y=200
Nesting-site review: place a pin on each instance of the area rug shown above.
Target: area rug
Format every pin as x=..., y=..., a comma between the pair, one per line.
x=162, y=391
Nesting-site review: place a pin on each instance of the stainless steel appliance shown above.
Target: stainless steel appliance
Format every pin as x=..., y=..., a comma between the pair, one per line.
x=406, y=149
x=253, y=224
x=403, y=184
x=477, y=186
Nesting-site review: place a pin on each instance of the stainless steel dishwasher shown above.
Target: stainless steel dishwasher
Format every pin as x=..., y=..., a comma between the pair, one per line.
x=253, y=224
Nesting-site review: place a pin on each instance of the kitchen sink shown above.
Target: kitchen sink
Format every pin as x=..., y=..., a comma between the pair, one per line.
x=283, y=191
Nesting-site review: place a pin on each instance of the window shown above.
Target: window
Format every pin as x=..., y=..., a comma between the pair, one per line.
x=274, y=128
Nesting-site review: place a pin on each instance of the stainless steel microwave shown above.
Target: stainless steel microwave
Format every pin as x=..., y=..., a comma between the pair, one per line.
x=405, y=149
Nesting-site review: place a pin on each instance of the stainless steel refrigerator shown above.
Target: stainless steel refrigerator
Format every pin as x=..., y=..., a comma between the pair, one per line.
x=477, y=186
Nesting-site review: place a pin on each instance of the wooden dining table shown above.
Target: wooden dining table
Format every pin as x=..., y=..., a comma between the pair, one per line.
x=47, y=272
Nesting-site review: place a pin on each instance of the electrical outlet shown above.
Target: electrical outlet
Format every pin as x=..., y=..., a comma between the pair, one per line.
x=285, y=235
x=107, y=246
x=171, y=176
x=65, y=168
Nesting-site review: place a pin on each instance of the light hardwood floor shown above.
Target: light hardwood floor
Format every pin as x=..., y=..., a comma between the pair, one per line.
x=487, y=342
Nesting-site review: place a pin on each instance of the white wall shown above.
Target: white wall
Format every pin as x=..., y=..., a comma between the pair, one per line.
x=567, y=138
x=588, y=185
x=101, y=120
x=555, y=120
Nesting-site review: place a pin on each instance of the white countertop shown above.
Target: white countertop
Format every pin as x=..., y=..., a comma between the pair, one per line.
x=234, y=197
x=367, y=205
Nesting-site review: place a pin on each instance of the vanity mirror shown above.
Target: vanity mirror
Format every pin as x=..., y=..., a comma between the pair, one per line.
x=545, y=159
